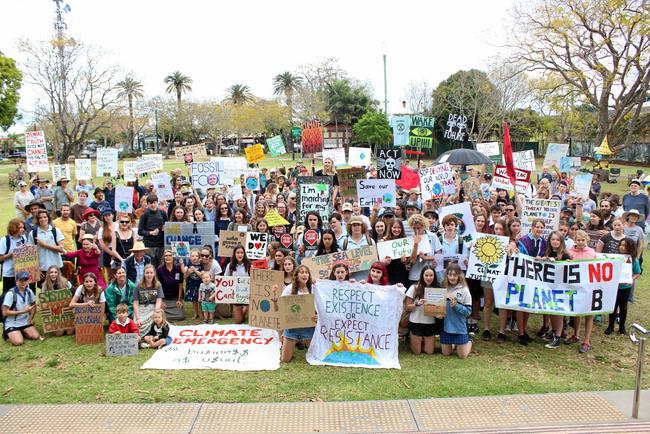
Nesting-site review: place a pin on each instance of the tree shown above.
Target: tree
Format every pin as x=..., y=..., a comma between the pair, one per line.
x=286, y=84
x=309, y=99
x=600, y=48
x=239, y=94
x=10, y=81
x=372, y=129
x=81, y=91
x=418, y=97
x=130, y=89
x=179, y=83
x=347, y=102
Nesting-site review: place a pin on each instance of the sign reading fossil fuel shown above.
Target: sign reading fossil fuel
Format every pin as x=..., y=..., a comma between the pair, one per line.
x=421, y=132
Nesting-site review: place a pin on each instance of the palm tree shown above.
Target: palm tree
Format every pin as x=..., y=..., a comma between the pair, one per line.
x=179, y=83
x=131, y=89
x=287, y=83
x=239, y=94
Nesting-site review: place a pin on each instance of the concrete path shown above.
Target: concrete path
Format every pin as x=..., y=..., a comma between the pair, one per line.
x=586, y=412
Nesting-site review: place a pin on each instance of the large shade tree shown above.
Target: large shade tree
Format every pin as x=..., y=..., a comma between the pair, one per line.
x=10, y=82
x=178, y=83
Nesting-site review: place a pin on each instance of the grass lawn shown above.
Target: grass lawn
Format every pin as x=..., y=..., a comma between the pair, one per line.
x=58, y=371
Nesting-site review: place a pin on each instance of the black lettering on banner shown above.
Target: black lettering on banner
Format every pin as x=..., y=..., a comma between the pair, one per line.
x=597, y=299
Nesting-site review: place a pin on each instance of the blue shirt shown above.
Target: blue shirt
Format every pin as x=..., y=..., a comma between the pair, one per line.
x=24, y=300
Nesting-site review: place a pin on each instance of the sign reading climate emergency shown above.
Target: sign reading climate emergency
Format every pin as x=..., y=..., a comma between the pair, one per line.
x=232, y=347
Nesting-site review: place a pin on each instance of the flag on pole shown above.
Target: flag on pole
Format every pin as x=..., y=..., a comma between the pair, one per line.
x=410, y=178
x=507, y=155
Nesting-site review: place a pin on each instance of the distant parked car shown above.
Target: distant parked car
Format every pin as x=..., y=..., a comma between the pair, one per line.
x=230, y=149
x=17, y=154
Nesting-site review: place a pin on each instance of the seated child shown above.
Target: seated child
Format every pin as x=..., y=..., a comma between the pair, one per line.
x=158, y=335
x=122, y=324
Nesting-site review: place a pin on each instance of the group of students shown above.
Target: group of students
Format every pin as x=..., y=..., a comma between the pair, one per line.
x=127, y=250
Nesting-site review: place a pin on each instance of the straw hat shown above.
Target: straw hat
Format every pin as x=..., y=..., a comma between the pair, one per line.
x=138, y=246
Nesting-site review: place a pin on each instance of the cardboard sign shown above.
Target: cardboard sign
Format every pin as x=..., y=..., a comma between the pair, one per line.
x=198, y=153
x=26, y=259
x=256, y=244
x=312, y=137
x=55, y=311
x=163, y=186
x=359, y=157
x=348, y=180
x=83, y=169
x=61, y=171
x=286, y=240
x=261, y=312
x=337, y=155
x=389, y=163
x=129, y=171
x=359, y=259
x=228, y=240
x=524, y=160
x=123, y=344
x=464, y=213
x=255, y=153
x=570, y=165
x=370, y=191
x=314, y=194
x=488, y=148
x=206, y=174
x=123, y=199
x=36, y=152
x=89, y=324
x=252, y=179
x=435, y=301
x=545, y=209
x=472, y=188
x=396, y=249
x=421, y=132
x=276, y=146
x=487, y=257
x=554, y=152
x=296, y=311
x=196, y=235
x=180, y=249
x=232, y=289
x=436, y=181
x=456, y=126
x=273, y=218
x=107, y=161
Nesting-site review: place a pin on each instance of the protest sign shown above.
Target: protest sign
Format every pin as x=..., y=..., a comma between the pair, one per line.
x=123, y=199
x=314, y=194
x=252, y=179
x=594, y=237
x=489, y=149
x=348, y=180
x=357, y=325
x=206, y=174
x=56, y=313
x=389, y=163
x=255, y=153
x=456, y=126
x=106, y=161
x=359, y=259
x=401, y=126
x=228, y=240
x=567, y=288
x=472, y=188
x=260, y=264
x=545, y=209
x=555, y=151
x=197, y=152
x=582, y=184
x=36, y=152
x=26, y=259
x=502, y=180
x=570, y=164
x=435, y=302
x=524, y=160
x=89, y=324
x=625, y=263
x=129, y=171
x=396, y=249
x=286, y=240
x=436, y=181
x=276, y=146
x=232, y=347
x=256, y=244
x=296, y=311
x=337, y=155
x=359, y=157
x=443, y=260
x=180, y=249
x=148, y=163
x=230, y=168
x=273, y=218
x=83, y=169
x=196, y=235
x=312, y=137
x=232, y=289
x=464, y=214
x=123, y=344
x=60, y=171
x=421, y=132
x=261, y=310
x=487, y=257
x=163, y=186
x=370, y=191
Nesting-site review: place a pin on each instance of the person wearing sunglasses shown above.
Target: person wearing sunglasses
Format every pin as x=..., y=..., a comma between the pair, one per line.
x=124, y=239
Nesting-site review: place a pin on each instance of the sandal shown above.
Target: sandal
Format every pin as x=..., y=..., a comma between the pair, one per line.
x=585, y=347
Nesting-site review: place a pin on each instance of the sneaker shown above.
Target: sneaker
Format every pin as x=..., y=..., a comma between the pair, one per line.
x=609, y=330
x=501, y=338
x=144, y=345
x=598, y=319
x=487, y=336
x=584, y=348
x=528, y=338
x=472, y=329
x=515, y=327
x=549, y=336
x=542, y=331
x=572, y=340
x=555, y=343
x=508, y=326
x=522, y=340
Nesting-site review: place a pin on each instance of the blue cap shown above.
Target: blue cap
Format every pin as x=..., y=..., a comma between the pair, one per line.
x=22, y=275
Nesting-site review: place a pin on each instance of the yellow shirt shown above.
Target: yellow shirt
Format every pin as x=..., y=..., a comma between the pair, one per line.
x=69, y=230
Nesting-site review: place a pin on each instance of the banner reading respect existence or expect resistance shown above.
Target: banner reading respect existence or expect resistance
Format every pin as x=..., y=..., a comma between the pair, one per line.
x=568, y=288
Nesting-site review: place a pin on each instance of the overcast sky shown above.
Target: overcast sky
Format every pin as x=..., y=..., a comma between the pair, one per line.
x=219, y=43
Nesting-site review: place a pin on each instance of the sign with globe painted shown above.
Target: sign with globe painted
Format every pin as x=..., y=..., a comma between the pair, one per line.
x=463, y=212
x=487, y=257
x=436, y=181
x=297, y=311
x=123, y=198
x=262, y=311
x=357, y=325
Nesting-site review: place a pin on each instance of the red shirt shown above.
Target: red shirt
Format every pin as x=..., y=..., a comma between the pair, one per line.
x=129, y=327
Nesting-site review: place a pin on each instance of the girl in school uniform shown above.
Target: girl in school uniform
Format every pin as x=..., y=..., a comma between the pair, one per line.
x=459, y=308
x=422, y=328
x=239, y=265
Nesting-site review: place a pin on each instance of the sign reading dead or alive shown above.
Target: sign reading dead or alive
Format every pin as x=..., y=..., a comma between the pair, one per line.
x=359, y=259
x=56, y=313
x=89, y=324
x=262, y=310
x=232, y=289
x=123, y=344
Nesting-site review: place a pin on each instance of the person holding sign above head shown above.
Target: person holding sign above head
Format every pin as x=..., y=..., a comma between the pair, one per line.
x=422, y=328
x=582, y=251
x=458, y=309
x=239, y=265
x=19, y=308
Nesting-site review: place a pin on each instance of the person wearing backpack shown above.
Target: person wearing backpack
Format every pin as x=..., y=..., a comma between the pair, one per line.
x=49, y=241
x=18, y=310
x=15, y=237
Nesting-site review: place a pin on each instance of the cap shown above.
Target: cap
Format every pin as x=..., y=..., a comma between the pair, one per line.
x=64, y=179
x=22, y=184
x=347, y=206
x=22, y=275
x=412, y=204
x=433, y=213
x=356, y=220
x=387, y=212
x=567, y=209
x=106, y=212
x=635, y=181
x=39, y=180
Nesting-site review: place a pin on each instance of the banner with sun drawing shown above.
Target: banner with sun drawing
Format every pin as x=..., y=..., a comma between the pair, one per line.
x=357, y=325
x=487, y=257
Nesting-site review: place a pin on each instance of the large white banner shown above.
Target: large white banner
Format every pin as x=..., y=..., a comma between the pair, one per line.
x=36, y=151
x=106, y=161
x=149, y=163
x=487, y=257
x=231, y=347
x=83, y=169
x=357, y=325
x=558, y=288
x=370, y=191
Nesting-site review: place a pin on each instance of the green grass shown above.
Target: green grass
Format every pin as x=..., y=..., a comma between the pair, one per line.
x=59, y=371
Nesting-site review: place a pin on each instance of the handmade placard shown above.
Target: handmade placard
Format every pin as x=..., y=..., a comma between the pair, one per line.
x=55, y=311
x=435, y=301
x=89, y=324
x=123, y=344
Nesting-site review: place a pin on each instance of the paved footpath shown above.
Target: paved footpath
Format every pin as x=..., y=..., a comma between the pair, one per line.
x=586, y=412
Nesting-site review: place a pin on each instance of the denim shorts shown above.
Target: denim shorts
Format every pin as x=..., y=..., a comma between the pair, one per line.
x=301, y=334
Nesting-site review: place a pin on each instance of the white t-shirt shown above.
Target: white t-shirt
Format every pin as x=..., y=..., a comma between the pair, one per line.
x=287, y=290
x=418, y=316
x=77, y=293
x=22, y=200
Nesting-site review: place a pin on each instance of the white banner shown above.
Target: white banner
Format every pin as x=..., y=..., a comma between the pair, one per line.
x=230, y=168
x=163, y=186
x=567, y=288
x=232, y=289
x=336, y=154
x=129, y=171
x=357, y=325
x=545, y=209
x=627, y=276
x=149, y=163
x=256, y=244
x=123, y=199
x=231, y=347
x=106, y=161
x=359, y=157
x=396, y=249
x=464, y=214
x=582, y=184
x=370, y=191
x=487, y=257
x=83, y=169
x=36, y=152
x=488, y=148
x=436, y=181
x=60, y=171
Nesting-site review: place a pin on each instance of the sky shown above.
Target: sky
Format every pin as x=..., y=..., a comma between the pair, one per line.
x=219, y=43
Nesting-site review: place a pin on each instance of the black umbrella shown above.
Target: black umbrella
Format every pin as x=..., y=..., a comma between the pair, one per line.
x=463, y=157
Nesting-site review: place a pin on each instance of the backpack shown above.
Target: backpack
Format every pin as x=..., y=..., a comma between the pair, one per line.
x=345, y=242
x=2, y=300
x=460, y=243
x=35, y=234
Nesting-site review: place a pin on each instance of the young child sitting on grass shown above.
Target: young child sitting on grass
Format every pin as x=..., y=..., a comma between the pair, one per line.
x=158, y=335
x=122, y=324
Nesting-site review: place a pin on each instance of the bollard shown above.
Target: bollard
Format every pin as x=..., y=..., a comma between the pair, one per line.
x=640, y=341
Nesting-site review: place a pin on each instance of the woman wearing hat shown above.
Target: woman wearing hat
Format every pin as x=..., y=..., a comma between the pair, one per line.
x=90, y=225
x=88, y=259
x=22, y=199
x=633, y=231
x=637, y=200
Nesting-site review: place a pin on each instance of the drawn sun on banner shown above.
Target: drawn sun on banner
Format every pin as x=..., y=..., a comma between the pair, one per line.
x=489, y=251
